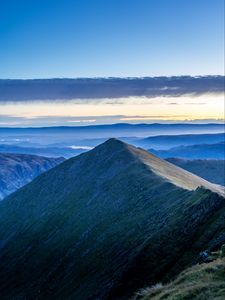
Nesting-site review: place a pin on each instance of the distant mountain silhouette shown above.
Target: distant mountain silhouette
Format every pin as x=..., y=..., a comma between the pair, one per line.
x=41, y=151
x=104, y=224
x=163, y=142
x=203, y=151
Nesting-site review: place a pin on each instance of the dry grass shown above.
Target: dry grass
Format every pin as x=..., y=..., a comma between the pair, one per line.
x=201, y=282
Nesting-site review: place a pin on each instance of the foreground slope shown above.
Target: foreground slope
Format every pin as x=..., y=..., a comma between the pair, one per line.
x=104, y=224
x=210, y=169
x=200, y=282
x=16, y=170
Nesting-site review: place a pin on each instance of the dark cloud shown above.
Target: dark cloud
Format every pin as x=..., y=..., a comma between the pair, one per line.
x=101, y=88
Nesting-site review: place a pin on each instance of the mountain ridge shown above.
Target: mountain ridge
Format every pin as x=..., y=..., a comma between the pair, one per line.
x=183, y=179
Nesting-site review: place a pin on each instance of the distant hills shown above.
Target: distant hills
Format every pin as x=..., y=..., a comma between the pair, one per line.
x=70, y=141
x=104, y=224
x=163, y=142
x=202, y=151
x=41, y=151
x=16, y=170
x=47, y=135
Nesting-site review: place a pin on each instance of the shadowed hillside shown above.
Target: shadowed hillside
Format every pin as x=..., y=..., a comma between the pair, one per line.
x=94, y=226
x=16, y=170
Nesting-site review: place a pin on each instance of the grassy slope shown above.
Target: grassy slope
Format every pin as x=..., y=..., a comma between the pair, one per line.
x=200, y=282
x=97, y=221
x=211, y=170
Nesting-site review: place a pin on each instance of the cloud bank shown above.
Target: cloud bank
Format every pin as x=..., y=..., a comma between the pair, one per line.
x=100, y=88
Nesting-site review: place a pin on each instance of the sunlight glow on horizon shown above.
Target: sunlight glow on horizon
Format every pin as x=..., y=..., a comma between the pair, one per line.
x=184, y=108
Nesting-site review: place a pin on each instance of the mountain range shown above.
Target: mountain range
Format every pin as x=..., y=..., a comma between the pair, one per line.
x=16, y=170
x=54, y=135
x=42, y=151
x=202, y=151
x=163, y=142
x=71, y=141
x=104, y=224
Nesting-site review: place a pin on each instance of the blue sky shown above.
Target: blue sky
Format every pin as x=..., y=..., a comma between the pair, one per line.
x=98, y=38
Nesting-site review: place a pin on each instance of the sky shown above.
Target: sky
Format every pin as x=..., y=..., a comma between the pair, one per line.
x=99, y=38
x=111, y=38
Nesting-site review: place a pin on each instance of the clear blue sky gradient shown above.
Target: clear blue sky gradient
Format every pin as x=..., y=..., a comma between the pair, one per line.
x=98, y=38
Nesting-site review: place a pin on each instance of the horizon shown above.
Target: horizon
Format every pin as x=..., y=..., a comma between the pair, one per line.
x=116, y=124
x=95, y=101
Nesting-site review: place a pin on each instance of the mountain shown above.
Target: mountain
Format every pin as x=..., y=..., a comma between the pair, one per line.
x=16, y=170
x=163, y=142
x=204, y=151
x=211, y=170
x=104, y=224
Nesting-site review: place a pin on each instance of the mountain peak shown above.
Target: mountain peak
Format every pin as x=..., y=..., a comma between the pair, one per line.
x=167, y=171
x=111, y=146
x=113, y=142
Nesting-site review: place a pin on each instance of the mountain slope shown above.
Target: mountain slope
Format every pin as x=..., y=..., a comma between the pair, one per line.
x=101, y=220
x=173, y=174
x=204, y=151
x=16, y=170
x=211, y=170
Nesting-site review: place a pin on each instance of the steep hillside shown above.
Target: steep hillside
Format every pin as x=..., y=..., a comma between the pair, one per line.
x=204, y=151
x=16, y=170
x=94, y=226
x=211, y=170
x=200, y=282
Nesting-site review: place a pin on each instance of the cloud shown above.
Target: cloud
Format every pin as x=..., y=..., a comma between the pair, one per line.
x=87, y=89
x=37, y=121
